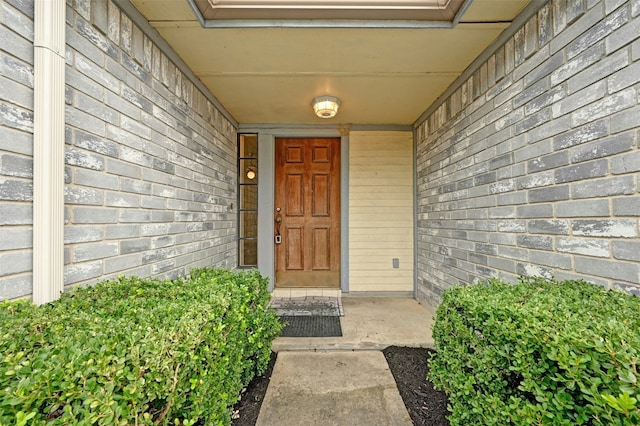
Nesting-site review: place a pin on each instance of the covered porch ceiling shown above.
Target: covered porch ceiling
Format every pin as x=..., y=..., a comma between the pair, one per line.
x=385, y=71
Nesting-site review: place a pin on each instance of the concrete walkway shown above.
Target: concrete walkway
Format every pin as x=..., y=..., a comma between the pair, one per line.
x=346, y=380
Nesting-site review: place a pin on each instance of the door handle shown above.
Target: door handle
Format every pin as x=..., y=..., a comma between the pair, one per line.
x=278, y=238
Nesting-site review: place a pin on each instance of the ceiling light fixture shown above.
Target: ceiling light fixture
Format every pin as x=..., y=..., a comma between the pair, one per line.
x=326, y=106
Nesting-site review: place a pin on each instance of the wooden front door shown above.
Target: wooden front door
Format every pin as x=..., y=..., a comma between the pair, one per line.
x=307, y=200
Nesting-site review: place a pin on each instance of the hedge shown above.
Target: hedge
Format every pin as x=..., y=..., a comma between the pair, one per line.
x=136, y=351
x=538, y=353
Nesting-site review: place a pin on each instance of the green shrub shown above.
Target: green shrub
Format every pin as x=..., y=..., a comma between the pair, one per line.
x=136, y=351
x=538, y=353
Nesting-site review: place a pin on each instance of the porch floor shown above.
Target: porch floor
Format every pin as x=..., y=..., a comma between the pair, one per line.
x=369, y=323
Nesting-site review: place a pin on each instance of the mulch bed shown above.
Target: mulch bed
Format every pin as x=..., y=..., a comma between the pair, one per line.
x=409, y=367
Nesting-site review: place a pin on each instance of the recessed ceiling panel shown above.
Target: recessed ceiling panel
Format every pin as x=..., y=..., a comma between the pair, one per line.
x=423, y=10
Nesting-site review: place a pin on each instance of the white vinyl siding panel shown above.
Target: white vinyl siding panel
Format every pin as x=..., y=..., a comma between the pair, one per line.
x=381, y=211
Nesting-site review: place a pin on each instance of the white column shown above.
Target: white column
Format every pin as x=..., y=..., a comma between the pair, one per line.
x=48, y=155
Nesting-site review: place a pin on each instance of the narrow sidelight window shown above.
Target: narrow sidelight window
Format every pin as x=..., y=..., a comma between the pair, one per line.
x=248, y=200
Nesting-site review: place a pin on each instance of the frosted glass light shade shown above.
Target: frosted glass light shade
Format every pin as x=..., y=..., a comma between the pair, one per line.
x=326, y=106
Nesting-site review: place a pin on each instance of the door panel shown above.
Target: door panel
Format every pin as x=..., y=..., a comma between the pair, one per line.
x=294, y=243
x=308, y=195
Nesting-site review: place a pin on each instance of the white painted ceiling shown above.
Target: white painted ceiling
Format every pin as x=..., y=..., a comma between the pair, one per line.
x=382, y=75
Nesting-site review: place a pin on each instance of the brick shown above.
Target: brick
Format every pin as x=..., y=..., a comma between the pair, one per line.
x=16, y=118
x=21, y=95
x=625, y=120
x=16, y=166
x=94, y=144
x=120, y=199
x=572, y=67
x=81, y=158
x=86, y=252
x=135, y=245
x=550, y=97
x=566, y=34
x=15, y=190
x=534, y=211
x=162, y=216
x=163, y=241
x=535, y=242
x=96, y=108
x=608, y=269
x=623, y=185
x=623, y=36
x=536, y=180
x=529, y=270
x=122, y=168
x=554, y=193
x=16, y=70
x=545, y=29
x=588, y=170
x=81, y=195
x=585, y=133
x=122, y=105
x=512, y=226
x=82, y=234
x=545, y=68
x=626, y=250
x=605, y=228
x=134, y=215
x=605, y=107
x=15, y=286
x=86, y=215
x=585, y=208
x=14, y=238
x=82, y=272
x=598, y=32
x=501, y=264
x=624, y=78
x=94, y=179
x=603, y=148
x=555, y=227
x=626, y=206
x=533, y=121
x=16, y=141
x=502, y=239
x=512, y=198
x=579, y=99
x=79, y=81
x=121, y=231
x=598, y=71
x=553, y=260
x=15, y=262
x=584, y=246
x=484, y=179
x=161, y=203
x=627, y=163
x=502, y=186
x=547, y=162
x=16, y=214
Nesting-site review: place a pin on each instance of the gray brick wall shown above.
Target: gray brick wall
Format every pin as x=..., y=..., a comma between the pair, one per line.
x=16, y=147
x=150, y=177
x=532, y=166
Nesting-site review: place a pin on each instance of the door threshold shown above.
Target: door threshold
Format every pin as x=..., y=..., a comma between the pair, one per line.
x=288, y=293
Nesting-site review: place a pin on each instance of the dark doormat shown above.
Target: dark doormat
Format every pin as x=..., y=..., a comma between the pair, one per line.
x=311, y=326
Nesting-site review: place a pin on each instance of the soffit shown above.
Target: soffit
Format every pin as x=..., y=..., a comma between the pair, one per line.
x=382, y=75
